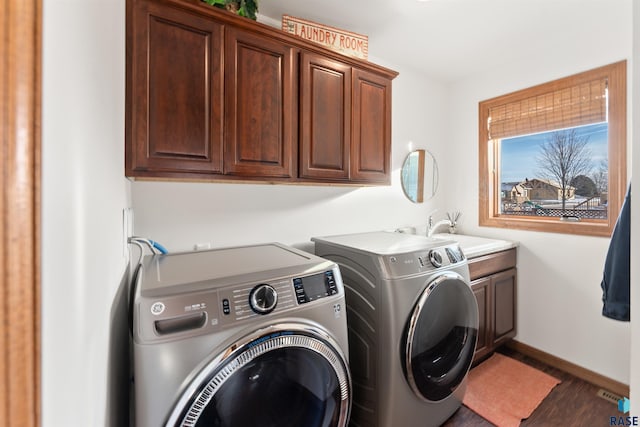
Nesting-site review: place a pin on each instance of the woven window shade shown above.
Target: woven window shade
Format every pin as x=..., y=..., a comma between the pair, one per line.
x=582, y=104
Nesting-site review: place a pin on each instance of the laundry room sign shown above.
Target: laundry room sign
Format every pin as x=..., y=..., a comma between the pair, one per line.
x=345, y=42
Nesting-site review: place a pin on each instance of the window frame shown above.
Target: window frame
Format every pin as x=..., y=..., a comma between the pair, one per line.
x=489, y=185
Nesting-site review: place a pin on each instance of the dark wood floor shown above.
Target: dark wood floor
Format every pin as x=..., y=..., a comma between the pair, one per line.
x=572, y=403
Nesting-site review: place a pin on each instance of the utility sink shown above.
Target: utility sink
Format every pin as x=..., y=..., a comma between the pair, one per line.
x=474, y=246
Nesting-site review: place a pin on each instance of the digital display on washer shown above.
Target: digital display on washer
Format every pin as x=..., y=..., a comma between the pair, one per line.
x=311, y=288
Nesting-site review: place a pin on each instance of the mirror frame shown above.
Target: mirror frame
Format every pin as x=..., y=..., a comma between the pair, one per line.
x=421, y=185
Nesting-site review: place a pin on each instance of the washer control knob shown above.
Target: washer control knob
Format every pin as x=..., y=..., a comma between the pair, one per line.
x=435, y=258
x=263, y=299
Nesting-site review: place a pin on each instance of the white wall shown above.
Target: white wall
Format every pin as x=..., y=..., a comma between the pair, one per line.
x=635, y=217
x=559, y=295
x=559, y=298
x=83, y=193
x=181, y=214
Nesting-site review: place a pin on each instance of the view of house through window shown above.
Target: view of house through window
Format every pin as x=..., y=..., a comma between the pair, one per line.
x=552, y=157
x=561, y=173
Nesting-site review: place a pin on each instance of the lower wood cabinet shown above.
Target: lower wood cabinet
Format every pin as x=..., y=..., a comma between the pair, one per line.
x=481, y=289
x=493, y=281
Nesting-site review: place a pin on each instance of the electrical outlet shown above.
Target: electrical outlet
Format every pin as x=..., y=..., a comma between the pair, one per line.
x=202, y=246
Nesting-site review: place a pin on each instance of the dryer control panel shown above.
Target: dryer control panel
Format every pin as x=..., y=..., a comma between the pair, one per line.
x=421, y=261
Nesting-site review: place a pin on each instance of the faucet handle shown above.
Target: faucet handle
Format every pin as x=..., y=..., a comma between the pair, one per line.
x=454, y=216
x=430, y=217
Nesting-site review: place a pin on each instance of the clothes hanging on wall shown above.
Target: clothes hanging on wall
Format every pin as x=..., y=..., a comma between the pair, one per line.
x=616, y=278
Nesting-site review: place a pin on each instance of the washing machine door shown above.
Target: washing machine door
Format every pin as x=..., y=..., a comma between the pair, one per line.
x=440, y=337
x=290, y=376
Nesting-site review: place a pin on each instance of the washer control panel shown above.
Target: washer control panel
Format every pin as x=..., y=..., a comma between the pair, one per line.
x=263, y=299
x=311, y=288
x=435, y=258
x=246, y=301
x=206, y=311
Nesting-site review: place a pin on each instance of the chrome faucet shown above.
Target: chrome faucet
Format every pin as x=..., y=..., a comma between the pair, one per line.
x=431, y=227
x=451, y=222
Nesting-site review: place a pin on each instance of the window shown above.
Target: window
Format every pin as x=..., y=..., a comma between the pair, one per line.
x=553, y=156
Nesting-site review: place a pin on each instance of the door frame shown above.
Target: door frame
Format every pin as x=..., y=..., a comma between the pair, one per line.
x=20, y=106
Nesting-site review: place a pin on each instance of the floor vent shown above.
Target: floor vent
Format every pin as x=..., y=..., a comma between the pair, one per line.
x=607, y=395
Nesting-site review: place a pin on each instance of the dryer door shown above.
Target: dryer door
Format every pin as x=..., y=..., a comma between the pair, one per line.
x=290, y=377
x=441, y=337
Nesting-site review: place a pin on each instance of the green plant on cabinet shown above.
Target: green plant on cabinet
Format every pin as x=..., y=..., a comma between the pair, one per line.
x=246, y=8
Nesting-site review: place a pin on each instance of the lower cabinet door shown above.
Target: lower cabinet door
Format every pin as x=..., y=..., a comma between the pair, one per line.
x=504, y=297
x=496, y=298
x=482, y=291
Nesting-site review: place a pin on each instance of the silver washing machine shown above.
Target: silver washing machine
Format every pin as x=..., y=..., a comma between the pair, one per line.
x=413, y=324
x=236, y=337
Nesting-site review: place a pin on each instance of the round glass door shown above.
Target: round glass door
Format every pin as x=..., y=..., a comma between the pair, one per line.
x=441, y=337
x=284, y=378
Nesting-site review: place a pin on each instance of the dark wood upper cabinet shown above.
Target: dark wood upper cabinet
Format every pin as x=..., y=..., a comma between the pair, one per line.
x=214, y=96
x=325, y=117
x=175, y=92
x=261, y=106
x=345, y=122
x=371, y=145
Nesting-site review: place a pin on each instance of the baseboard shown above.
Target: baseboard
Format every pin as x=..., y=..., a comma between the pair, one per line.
x=570, y=368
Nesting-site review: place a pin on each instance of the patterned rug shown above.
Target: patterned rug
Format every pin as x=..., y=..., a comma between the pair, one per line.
x=505, y=391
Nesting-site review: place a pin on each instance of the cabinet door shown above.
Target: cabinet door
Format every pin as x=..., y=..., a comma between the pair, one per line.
x=504, y=302
x=371, y=144
x=261, y=106
x=174, y=94
x=325, y=117
x=482, y=290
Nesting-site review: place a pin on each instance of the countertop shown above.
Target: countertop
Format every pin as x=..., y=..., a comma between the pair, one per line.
x=474, y=246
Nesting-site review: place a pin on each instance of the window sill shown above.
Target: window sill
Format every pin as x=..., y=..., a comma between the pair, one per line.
x=597, y=228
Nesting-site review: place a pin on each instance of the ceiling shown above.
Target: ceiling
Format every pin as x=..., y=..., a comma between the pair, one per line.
x=451, y=39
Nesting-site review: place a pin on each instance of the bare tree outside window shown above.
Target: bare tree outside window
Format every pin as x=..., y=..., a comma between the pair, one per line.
x=563, y=157
x=600, y=176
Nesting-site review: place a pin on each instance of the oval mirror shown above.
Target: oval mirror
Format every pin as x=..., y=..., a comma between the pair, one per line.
x=419, y=176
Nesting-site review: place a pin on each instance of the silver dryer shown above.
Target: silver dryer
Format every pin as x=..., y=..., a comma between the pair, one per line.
x=413, y=323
